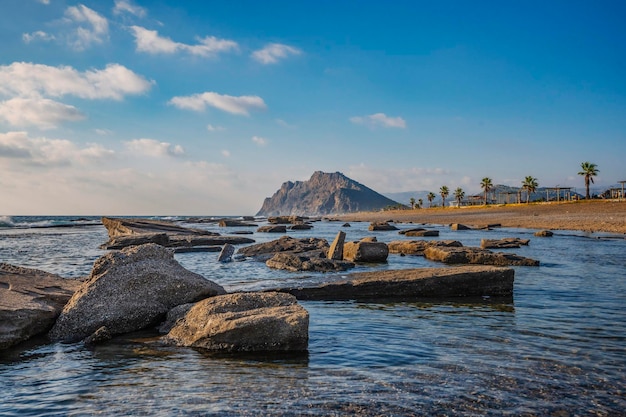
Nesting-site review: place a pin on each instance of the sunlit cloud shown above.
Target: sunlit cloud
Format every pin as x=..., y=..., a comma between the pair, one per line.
x=150, y=42
x=274, y=52
x=379, y=120
x=41, y=112
x=231, y=104
x=126, y=6
x=154, y=148
x=259, y=140
x=91, y=27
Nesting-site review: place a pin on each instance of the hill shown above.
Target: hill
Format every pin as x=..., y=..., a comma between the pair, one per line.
x=324, y=193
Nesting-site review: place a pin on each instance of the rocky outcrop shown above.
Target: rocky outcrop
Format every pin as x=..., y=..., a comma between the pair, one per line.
x=505, y=243
x=323, y=193
x=124, y=227
x=295, y=262
x=417, y=247
x=470, y=255
x=410, y=284
x=381, y=226
x=286, y=219
x=244, y=322
x=420, y=233
x=272, y=229
x=30, y=302
x=544, y=233
x=285, y=244
x=235, y=223
x=130, y=290
x=365, y=251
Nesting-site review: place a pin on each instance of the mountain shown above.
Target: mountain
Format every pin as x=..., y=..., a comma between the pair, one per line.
x=324, y=193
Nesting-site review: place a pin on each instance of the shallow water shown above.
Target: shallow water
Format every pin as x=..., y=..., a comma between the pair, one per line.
x=559, y=348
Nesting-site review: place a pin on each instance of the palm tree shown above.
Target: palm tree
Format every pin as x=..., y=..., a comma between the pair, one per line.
x=419, y=203
x=459, y=194
x=444, y=192
x=486, y=185
x=412, y=202
x=530, y=184
x=431, y=196
x=589, y=170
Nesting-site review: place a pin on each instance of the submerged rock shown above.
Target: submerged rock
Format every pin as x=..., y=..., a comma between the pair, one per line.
x=30, y=302
x=130, y=290
x=470, y=255
x=244, y=322
x=295, y=262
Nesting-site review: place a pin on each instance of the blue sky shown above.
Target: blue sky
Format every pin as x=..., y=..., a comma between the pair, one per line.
x=186, y=107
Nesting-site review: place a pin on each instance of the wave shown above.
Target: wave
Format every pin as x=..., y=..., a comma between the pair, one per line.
x=6, y=221
x=31, y=222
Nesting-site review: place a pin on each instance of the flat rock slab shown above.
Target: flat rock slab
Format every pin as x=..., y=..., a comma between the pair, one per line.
x=409, y=284
x=123, y=227
x=421, y=233
x=381, y=226
x=417, y=247
x=30, y=302
x=285, y=244
x=296, y=262
x=505, y=243
x=470, y=255
x=243, y=322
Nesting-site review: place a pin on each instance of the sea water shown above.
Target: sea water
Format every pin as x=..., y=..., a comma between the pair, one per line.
x=557, y=349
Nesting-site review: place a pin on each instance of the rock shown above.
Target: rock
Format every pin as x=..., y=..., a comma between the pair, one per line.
x=173, y=316
x=244, y=322
x=226, y=255
x=194, y=249
x=544, y=233
x=365, y=251
x=130, y=290
x=469, y=255
x=99, y=336
x=346, y=225
x=410, y=284
x=123, y=227
x=300, y=226
x=381, y=226
x=286, y=219
x=272, y=229
x=30, y=302
x=285, y=244
x=177, y=241
x=120, y=242
x=242, y=232
x=336, y=248
x=416, y=229
x=417, y=247
x=248, y=218
x=421, y=233
x=505, y=243
x=369, y=239
x=234, y=223
x=458, y=226
x=295, y=262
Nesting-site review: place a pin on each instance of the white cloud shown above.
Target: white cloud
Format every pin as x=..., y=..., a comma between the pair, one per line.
x=27, y=79
x=37, y=36
x=230, y=104
x=41, y=112
x=92, y=28
x=403, y=179
x=212, y=128
x=103, y=132
x=149, y=41
x=259, y=140
x=274, y=52
x=379, y=119
x=126, y=6
x=154, y=148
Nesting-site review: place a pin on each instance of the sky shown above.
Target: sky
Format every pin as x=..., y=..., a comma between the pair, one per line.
x=137, y=107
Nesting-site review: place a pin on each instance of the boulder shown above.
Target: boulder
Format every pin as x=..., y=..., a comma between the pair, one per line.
x=346, y=225
x=30, y=302
x=336, y=248
x=364, y=251
x=470, y=255
x=421, y=233
x=272, y=229
x=505, y=243
x=244, y=322
x=173, y=316
x=285, y=244
x=417, y=247
x=295, y=262
x=300, y=226
x=99, y=336
x=286, y=219
x=410, y=284
x=381, y=226
x=544, y=233
x=226, y=255
x=458, y=226
x=130, y=290
x=416, y=229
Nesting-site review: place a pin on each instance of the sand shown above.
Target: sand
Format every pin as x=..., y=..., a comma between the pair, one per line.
x=589, y=216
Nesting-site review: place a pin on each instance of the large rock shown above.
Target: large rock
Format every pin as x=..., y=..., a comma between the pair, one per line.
x=124, y=227
x=285, y=244
x=286, y=219
x=410, y=284
x=130, y=290
x=459, y=226
x=336, y=248
x=417, y=247
x=544, y=233
x=505, y=243
x=275, y=228
x=421, y=233
x=470, y=255
x=234, y=223
x=295, y=262
x=381, y=226
x=30, y=302
x=244, y=322
x=365, y=251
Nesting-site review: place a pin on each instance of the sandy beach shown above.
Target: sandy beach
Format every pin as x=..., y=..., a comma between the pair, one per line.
x=588, y=216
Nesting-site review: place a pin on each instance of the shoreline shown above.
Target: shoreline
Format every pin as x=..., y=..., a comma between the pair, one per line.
x=606, y=216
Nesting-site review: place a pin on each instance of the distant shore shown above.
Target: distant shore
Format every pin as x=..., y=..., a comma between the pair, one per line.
x=588, y=216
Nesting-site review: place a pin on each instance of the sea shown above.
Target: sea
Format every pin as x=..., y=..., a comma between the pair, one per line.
x=556, y=348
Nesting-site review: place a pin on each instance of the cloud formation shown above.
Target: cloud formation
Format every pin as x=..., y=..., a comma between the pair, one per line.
x=90, y=27
x=150, y=42
x=154, y=148
x=231, y=104
x=41, y=112
x=259, y=140
x=379, y=120
x=274, y=52
x=126, y=6
x=31, y=80
x=38, y=35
